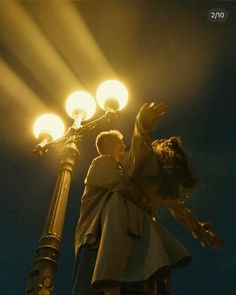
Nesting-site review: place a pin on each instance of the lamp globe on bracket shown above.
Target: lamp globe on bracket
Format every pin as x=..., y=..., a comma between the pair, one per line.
x=48, y=127
x=80, y=106
x=112, y=95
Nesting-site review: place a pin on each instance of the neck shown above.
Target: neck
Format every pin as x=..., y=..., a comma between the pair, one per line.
x=116, y=157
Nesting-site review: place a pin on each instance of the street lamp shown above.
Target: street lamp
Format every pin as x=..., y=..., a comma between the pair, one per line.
x=112, y=95
x=46, y=128
x=80, y=106
x=49, y=129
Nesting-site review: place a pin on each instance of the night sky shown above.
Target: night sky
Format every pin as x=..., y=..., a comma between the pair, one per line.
x=166, y=51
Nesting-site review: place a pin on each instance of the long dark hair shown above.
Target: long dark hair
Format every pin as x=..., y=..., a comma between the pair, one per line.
x=175, y=177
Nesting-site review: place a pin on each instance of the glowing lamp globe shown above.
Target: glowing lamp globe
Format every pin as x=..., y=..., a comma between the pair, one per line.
x=80, y=103
x=112, y=94
x=48, y=124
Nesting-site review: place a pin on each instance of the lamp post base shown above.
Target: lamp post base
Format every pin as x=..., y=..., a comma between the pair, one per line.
x=44, y=266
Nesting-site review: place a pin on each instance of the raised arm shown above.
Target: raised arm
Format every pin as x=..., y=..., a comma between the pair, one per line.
x=145, y=122
x=147, y=118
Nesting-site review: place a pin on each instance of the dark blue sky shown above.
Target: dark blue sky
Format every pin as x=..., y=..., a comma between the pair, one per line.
x=161, y=50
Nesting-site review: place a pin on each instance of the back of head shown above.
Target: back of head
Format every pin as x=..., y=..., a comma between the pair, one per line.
x=175, y=171
x=106, y=140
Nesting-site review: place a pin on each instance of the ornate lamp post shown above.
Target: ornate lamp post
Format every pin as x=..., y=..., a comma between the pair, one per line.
x=80, y=105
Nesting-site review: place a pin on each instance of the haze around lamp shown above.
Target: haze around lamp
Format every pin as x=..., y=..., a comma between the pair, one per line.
x=112, y=94
x=49, y=124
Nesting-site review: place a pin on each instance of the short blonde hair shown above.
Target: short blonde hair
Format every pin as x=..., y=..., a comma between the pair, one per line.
x=106, y=139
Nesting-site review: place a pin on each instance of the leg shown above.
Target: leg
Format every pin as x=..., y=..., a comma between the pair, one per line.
x=163, y=286
x=83, y=270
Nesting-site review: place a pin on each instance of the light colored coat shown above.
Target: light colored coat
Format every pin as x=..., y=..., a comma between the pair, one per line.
x=131, y=245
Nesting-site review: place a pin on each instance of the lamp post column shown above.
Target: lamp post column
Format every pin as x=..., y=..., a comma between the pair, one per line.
x=44, y=266
x=80, y=106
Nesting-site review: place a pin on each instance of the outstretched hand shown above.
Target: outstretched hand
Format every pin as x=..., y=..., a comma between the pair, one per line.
x=208, y=238
x=212, y=240
x=151, y=113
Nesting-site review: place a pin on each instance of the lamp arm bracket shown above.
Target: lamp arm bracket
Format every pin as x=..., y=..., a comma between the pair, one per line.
x=109, y=114
x=91, y=125
x=75, y=133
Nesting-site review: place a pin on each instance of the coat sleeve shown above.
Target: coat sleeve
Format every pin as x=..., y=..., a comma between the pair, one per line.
x=139, y=150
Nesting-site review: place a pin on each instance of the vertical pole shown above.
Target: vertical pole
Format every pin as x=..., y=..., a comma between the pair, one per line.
x=44, y=266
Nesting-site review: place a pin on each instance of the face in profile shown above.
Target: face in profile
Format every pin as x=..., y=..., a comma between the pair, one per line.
x=118, y=146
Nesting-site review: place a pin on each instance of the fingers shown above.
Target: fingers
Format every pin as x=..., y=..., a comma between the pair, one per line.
x=154, y=106
x=144, y=107
x=161, y=104
x=207, y=225
x=157, y=109
x=150, y=113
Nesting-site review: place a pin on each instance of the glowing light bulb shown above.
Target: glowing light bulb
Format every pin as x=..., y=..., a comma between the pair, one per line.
x=112, y=94
x=80, y=103
x=49, y=124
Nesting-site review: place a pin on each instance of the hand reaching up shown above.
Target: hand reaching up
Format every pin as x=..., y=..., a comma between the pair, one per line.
x=150, y=114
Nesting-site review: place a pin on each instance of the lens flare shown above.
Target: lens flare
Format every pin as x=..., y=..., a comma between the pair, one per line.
x=81, y=102
x=112, y=90
x=49, y=124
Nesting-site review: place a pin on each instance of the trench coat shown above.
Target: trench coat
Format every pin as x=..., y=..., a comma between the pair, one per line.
x=131, y=246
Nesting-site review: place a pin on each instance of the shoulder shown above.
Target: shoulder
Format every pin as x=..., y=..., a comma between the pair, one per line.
x=102, y=161
x=101, y=171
